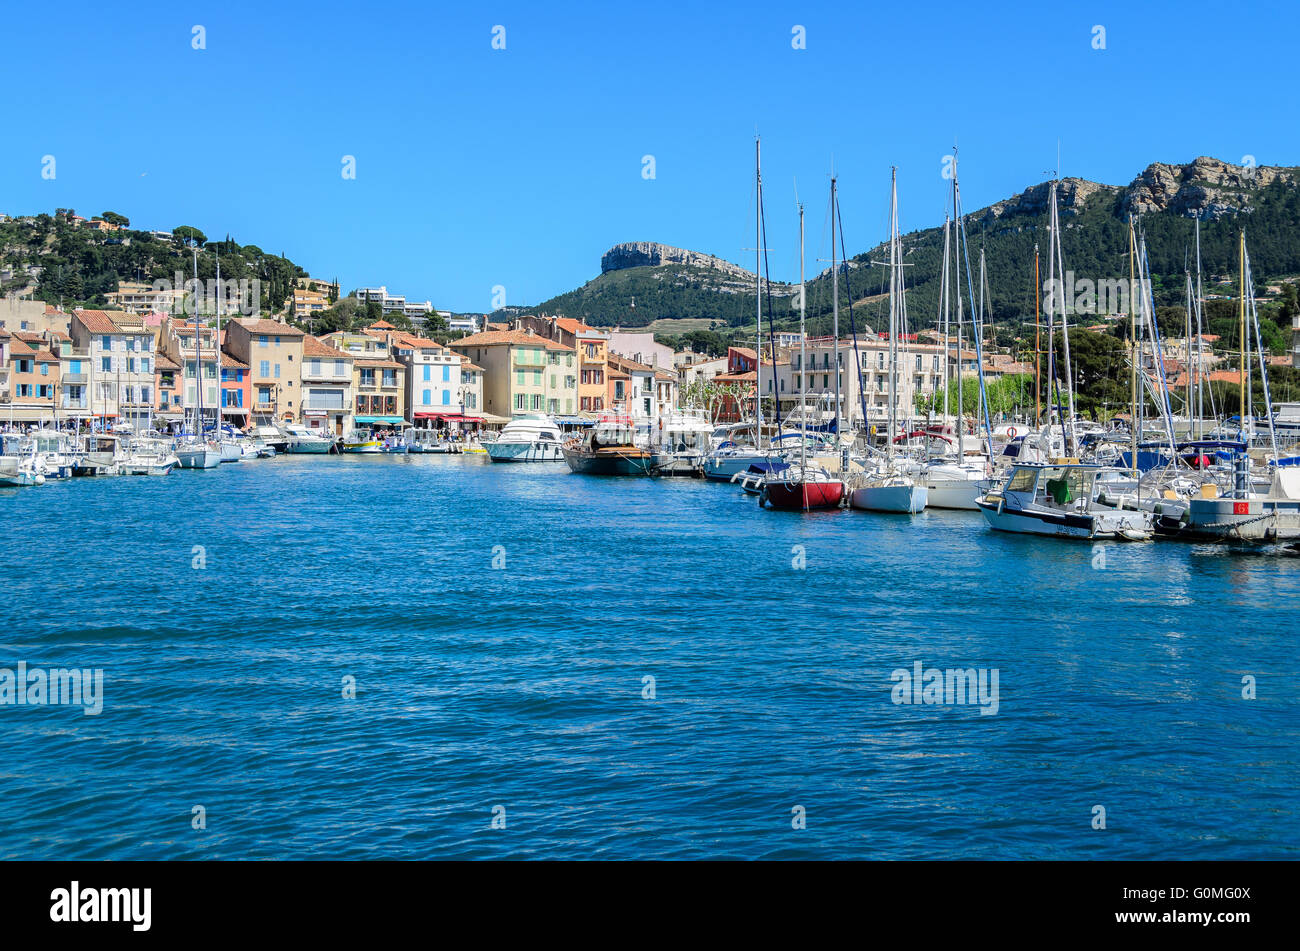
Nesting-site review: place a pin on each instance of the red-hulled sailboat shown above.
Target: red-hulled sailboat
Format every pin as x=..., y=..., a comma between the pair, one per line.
x=801, y=487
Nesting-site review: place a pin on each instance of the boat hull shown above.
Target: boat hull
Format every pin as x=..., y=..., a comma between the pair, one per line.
x=802, y=496
x=610, y=462
x=724, y=468
x=1228, y=519
x=524, y=452
x=1116, y=524
x=900, y=499
x=200, y=457
x=946, y=492
x=310, y=446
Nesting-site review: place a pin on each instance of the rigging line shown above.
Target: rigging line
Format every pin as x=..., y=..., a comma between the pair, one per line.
x=979, y=349
x=776, y=393
x=857, y=356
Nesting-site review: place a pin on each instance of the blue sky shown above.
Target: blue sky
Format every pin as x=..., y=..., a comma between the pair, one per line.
x=519, y=167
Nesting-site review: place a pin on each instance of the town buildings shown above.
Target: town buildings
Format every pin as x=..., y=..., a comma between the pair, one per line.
x=327, y=381
x=119, y=350
x=273, y=352
x=523, y=373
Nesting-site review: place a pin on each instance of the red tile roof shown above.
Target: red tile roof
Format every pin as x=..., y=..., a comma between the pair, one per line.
x=490, y=338
x=263, y=325
x=315, y=347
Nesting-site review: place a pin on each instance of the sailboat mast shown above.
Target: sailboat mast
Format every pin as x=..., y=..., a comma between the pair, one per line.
x=803, y=358
x=835, y=308
x=1187, y=382
x=957, y=258
x=893, y=307
x=1244, y=346
x=1134, y=357
x=944, y=314
x=220, y=394
x=198, y=359
x=1038, y=346
x=1200, y=343
x=758, y=293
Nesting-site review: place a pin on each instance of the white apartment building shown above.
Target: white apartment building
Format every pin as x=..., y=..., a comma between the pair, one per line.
x=119, y=350
x=390, y=303
x=433, y=383
x=326, y=387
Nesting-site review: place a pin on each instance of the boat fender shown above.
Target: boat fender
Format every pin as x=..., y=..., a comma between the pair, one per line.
x=762, y=498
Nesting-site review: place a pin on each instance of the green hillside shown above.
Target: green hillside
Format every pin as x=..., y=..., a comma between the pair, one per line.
x=78, y=265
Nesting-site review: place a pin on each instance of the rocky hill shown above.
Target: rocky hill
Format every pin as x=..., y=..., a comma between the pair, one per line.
x=644, y=281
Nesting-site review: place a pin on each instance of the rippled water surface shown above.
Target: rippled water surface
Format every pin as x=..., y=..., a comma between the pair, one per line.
x=1120, y=675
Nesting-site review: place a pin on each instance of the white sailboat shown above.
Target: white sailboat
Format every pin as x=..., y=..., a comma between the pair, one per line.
x=196, y=452
x=891, y=487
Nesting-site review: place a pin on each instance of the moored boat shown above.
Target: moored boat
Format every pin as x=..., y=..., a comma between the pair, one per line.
x=1057, y=500
x=531, y=438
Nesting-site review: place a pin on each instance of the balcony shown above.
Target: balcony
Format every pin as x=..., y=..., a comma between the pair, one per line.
x=75, y=378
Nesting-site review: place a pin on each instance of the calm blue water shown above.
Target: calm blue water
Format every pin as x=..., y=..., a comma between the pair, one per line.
x=522, y=686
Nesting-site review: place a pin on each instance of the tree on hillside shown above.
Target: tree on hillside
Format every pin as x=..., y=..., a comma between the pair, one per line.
x=186, y=233
x=113, y=218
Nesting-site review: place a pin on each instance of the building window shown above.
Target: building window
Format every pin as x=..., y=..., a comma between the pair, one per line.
x=390, y=378
x=262, y=340
x=446, y=374
x=428, y=373
x=428, y=397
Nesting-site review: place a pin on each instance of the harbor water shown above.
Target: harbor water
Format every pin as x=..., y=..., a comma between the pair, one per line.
x=563, y=666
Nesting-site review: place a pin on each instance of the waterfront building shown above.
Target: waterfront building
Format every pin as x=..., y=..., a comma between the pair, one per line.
x=432, y=377
x=523, y=372
x=327, y=379
x=641, y=348
x=273, y=352
x=471, y=389
x=33, y=373
x=33, y=316
x=177, y=342
x=236, y=391
x=169, y=403
x=593, y=366
x=73, y=396
x=632, y=388
x=120, y=350
x=379, y=385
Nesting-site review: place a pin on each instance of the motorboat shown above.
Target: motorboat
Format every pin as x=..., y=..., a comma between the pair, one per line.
x=361, y=442
x=304, y=439
x=1059, y=500
x=531, y=438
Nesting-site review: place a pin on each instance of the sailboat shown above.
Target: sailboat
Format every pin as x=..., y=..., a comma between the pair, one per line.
x=955, y=482
x=801, y=486
x=890, y=488
x=231, y=449
x=196, y=452
x=730, y=460
x=1244, y=513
